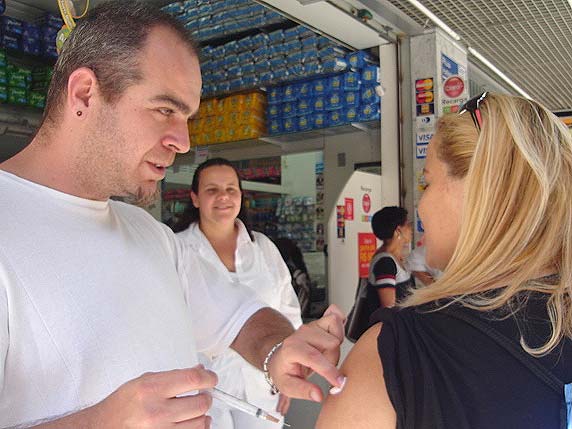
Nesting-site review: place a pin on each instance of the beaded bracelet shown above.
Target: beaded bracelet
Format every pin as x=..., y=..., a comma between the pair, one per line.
x=273, y=389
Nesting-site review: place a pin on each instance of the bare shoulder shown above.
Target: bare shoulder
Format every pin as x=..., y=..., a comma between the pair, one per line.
x=364, y=402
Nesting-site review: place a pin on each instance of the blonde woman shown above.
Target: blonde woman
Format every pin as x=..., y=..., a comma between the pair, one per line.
x=488, y=345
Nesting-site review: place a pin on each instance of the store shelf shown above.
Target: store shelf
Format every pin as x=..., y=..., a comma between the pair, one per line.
x=292, y=142
x=322, y=132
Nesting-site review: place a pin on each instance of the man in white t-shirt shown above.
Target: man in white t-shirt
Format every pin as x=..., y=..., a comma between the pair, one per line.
x=100, y=323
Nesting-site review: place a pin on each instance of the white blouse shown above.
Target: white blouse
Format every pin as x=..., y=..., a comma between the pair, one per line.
x=260, y=272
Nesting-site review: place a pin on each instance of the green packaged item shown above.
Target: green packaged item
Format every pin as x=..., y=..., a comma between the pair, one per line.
x=3, y=60
x=3, y=76
x=37, y=99
x=17, y=96
x=19, y=77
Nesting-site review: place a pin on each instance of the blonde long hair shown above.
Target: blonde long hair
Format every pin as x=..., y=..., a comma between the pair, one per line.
x=517, y=211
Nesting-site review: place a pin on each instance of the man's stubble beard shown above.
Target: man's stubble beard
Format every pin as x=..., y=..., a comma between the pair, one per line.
x=142, y=199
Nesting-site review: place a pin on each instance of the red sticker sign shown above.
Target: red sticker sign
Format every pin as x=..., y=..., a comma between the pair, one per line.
x=453, y=87
x=366, y=203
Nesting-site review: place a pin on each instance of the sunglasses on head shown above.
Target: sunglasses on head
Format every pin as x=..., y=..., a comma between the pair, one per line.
x=473, y=107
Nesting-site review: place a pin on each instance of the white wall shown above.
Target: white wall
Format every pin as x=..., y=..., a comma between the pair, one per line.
x=299, y=173
x=357, y=147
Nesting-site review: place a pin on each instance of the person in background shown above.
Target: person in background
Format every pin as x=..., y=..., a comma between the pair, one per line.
x=224, y=253
x=388, y=280
x=416, y=264
x=489, y=344
x=100, y=324
x=292, y=256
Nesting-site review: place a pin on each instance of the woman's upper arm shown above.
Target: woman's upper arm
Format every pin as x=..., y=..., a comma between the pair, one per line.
x=364, y=402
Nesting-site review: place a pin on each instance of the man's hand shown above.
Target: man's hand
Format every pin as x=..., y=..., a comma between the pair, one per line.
x=151, y=401
x=313, y=347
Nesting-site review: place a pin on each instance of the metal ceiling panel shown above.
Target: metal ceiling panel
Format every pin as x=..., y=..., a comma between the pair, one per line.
x=529, y=40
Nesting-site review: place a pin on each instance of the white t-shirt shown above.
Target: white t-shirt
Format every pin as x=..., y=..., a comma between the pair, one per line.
x=92, y=294
x=259, y=272
x=416, y=262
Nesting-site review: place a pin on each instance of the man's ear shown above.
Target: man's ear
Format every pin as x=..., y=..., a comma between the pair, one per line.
x=82, y=89
x=194, y=200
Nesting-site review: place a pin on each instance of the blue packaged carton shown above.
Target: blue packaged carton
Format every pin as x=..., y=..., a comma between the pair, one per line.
x=320, y=120
x=289, y=92
x=11, y=26
x=278, y=62
x=30, y=46
x=291, y=33
x=274, y=110
x=334, y=83
x=259, y=40
x=250, y=80
x=276, y=36
x=334, y=65
x=234, y=71
x=281, y=74
x=318, y=104
x=231, y=60
x=236, y=84
x=336, y=117
x=10, y=42
x=294, y=57
x=248, y=69
x=245, y=44
x=267, y=78
x=351, y=81
x=304, y=90
x=246, y=58
x=288, y=109
x=311, y=41
x=231, y=47
x=275, y=126
x=368, y=112
x=292, y=46
x=370, y=75
x=304, y=123
x=332, y=52
x=351, y=98
x=319, y=86
x=290, y=125
x=175, y=8
x=262, y=52
x=334, y=101
x=262, y=65
x=369, y=95
x=274, y=95
x=304, y=106
x=357, y=59
x=31, y=31
x=351, y=114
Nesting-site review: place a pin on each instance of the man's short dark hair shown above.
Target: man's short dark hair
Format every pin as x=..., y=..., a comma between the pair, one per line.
x=108, y=41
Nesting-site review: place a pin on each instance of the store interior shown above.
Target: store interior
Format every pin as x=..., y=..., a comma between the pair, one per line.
x=298, y=102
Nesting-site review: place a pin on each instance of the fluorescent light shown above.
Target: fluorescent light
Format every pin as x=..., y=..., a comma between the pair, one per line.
x=570, y=3
x=436, y=20
x=499, y=73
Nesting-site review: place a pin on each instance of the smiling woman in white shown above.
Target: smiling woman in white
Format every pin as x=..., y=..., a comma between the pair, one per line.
x=225, y=253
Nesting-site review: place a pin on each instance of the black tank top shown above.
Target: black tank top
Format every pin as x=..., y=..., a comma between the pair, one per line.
x=461, y=368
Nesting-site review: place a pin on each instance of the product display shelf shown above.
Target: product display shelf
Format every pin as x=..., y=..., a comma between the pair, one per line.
x=351, y=127
x=291, y=139
x=283, y=24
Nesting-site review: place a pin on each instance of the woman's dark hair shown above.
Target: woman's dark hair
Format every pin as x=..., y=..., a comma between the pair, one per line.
x=385, y=221
x=192, y=214
x=291, y=253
